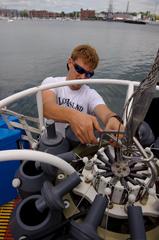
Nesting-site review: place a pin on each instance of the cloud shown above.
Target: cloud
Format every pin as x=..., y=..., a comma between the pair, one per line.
x=71, y=5
x=51, y=5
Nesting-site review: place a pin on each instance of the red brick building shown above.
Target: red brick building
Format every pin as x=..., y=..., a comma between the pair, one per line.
x=42, y=14
x=87, y=14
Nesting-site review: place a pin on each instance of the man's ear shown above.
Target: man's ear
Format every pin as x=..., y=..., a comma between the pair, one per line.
x=69, y=61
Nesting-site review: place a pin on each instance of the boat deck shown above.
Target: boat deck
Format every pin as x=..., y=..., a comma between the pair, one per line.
x=5, y=215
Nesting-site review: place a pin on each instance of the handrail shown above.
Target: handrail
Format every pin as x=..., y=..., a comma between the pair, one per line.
x=38, y=90
x=6, y=101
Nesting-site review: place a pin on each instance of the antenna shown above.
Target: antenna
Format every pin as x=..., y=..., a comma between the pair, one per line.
x=127, y=7
x=110, y=8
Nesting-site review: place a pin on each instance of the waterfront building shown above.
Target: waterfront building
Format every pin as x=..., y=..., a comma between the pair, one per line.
x=87, y=14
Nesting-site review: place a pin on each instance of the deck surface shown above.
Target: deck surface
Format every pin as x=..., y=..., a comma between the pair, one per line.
x=5, y=215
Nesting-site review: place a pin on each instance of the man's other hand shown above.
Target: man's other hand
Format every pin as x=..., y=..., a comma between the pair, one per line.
x=83, y=126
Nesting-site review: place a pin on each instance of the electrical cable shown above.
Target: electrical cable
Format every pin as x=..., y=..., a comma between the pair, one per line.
x=135, y=112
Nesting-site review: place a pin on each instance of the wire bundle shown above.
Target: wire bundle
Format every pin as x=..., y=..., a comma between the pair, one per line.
x=138, y=104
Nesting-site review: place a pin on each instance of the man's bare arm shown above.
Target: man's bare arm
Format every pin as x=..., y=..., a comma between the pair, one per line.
x=105, y=115
x=52, y=110
x=82, y=124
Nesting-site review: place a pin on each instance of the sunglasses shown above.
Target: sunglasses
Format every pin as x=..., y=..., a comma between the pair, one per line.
x=81, y=70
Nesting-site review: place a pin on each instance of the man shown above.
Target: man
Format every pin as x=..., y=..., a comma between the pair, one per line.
x=75, y=104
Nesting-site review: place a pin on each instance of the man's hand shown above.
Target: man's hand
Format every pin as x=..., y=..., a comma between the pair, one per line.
x=83, y=126
x=114, y=124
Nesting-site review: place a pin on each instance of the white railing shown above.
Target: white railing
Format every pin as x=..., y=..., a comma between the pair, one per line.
x=38, y=91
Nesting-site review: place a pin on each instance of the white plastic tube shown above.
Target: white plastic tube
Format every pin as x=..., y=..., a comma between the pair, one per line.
x=30, y=155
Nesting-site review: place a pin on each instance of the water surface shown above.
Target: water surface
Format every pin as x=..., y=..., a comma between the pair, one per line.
x=31, y=50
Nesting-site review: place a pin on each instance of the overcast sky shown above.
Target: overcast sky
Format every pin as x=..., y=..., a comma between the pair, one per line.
x=71, y=5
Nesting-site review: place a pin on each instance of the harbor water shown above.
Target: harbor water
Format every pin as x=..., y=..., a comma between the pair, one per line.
x=31, y=50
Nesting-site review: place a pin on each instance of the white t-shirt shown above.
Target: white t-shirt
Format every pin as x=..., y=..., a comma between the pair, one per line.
x=84, y=100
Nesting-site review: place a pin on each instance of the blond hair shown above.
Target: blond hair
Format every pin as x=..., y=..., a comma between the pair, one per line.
x=87, y=53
